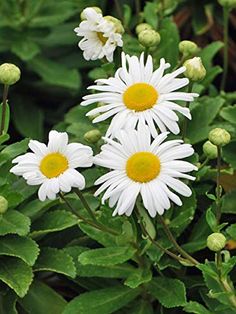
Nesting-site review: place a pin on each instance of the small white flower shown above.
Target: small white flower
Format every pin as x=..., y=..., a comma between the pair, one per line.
x=100, y=36
x=53, y=166
x=140, y=94
x=141, y=166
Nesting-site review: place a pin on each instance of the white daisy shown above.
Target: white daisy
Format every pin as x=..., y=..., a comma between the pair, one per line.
x=53, y=166
x=100, y=36
x=140, y=94
x=141, y=166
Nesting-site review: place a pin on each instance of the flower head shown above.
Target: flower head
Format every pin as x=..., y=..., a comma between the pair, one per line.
x=139, y=166
x=53, y=166
x=137, y=94
x=100, y=36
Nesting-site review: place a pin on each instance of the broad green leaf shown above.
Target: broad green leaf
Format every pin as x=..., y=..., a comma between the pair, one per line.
x=16, y=274
x=207, y=54
x=14, y=222
x=228, y=203
x=25, y=48
x=229, y=113
x=231, y=230
x=203, y=113
x=51, y=259
x=53, y=221
x=34, y=209
x=228, y=153
x=23, y=122
x=21, y=247
x=201, y=23
x=55, y=74
x=150, y=14
x=169, y=292
x=41, y=299
x=195, y=307
x=138, y=277
x=211, y=219
x=103, y=301
x=107, y=256
x=8, y=303
x=4, y=138
x=141, y=307
x=13, y=150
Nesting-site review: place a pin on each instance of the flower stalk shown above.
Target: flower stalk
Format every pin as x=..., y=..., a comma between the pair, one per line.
x=226, y=12
x=4, y=108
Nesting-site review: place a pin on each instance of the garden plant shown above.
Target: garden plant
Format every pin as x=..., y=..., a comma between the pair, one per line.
x=117, y=157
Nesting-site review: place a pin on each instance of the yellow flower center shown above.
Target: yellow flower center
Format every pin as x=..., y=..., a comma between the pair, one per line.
x=102, y=38
x=140, y=96
x=53, y=165
x=143, y=167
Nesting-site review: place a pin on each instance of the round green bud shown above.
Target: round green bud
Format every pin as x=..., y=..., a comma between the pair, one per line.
x=117, y=23
x=195, y=70
x=188, y=48
x=3, y=205
x=219, y=137
x=82, y=15
x=142, y=27
x=93, y=136
x=216, y=241
x=149, y=38
x=210, y=150
x=228, y=3
x=9, y=73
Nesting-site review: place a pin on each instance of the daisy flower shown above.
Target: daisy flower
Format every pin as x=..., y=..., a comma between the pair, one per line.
x=139, y=166
x=138, y=93
x=53, y=166
x=100, y=37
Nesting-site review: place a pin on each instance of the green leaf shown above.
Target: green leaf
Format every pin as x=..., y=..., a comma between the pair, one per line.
x=13, y=150
x=16, y=274
x=141, y=307
x=228, y=153
x=55, y=73
x=25, y=48
x=169, y=292
x=203, y=113
x=51, y=259
x=107, y=256
x=24, y=248
x=41, y=298
x=228, y=203
x=8, y=303
x=138, y=277
x=207, y=54
x=53, y=221
x=7, y=117
x=231, y=230
x=103, y=301
x=150, y=14
x=14, y=222
x=23, y=122
x=229, y=113
x=211, y=219
x=195, y=307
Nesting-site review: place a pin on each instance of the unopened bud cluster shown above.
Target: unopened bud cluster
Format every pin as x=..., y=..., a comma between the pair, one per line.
x=195, y=70
x=9, y=74
x=219, y=137
x=216, y=241
x=147, y=36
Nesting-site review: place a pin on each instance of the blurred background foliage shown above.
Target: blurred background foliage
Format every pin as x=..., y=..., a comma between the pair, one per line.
x=38, y=36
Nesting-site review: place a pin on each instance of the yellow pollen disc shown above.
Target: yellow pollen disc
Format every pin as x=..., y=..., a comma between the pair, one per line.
x=140, y=96
x=53, y=165
x=143, y=167
x=102, y=38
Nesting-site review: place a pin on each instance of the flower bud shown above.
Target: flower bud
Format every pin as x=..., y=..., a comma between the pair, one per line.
x=195, y=70
x=149, y=38
x=219, y=137
x=210, y=150
x=142, y=27
x=93, y=136
x=117, y=23
x=188, y=48
x=216, y=241
x=9, y=73
x=97, y=9
x=228, y=3
x=3, y=205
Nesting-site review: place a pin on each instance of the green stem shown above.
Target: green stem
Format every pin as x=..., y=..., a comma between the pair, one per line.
x=4, y=107
x=138, y=9
x=184, y=126
x=86, y=205
x=226, y=46
x=218, y=188
x=227, y=287
x=119, y=10
x=204, y=163
x=176, y=245
x=96, y=225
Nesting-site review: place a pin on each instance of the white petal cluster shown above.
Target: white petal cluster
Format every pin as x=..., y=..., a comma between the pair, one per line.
x=100, y=38
x=135, y=70
x=75, y=155
x=157, y=193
